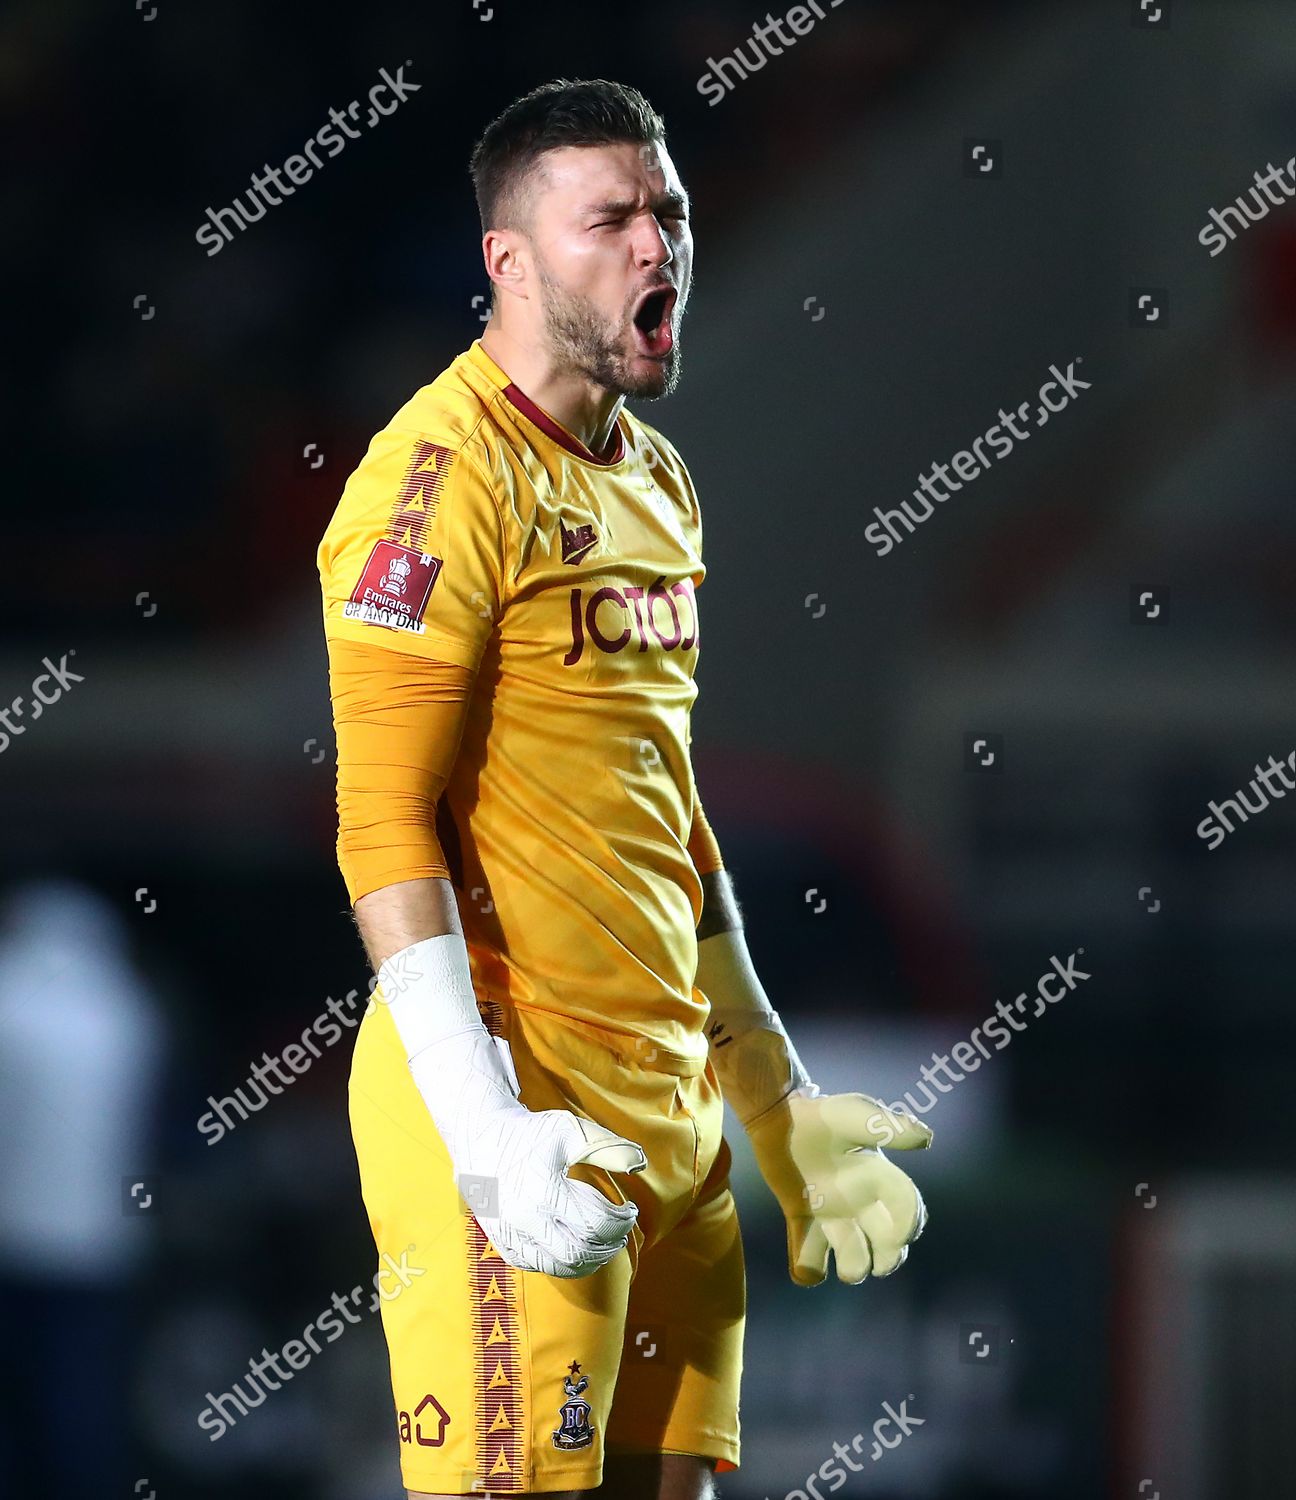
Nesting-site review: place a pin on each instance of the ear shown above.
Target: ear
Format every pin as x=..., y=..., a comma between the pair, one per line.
x=508, y=265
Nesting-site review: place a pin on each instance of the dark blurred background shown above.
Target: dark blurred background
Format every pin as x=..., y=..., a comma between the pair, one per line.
x=1104, y=1303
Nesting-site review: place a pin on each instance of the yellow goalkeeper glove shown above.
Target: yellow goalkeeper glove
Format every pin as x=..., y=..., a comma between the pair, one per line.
x=820, y=1154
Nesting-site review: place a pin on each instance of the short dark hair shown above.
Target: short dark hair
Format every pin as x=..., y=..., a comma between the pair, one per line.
x=566, y=112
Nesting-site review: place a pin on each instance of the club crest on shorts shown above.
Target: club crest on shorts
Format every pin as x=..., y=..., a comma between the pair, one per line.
x=575, y=1431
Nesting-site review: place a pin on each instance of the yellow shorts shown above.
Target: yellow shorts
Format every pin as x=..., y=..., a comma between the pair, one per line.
x=509, y=1380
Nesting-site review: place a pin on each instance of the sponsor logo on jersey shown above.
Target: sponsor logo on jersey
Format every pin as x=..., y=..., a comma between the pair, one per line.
x=394, y=588
x=576, y=541
x=611, y=617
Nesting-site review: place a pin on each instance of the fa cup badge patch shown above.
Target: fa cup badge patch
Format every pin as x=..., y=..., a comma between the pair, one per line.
x=575, y=1431
x=394, y=588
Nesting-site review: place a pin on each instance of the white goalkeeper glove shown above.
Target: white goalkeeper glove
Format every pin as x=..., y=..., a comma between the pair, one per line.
x=510, y=1162
x=819, y=1153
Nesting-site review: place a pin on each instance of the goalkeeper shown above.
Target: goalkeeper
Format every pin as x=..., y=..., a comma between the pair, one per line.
x=565, y=996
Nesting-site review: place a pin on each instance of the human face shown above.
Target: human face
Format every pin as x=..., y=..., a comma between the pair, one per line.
x=613, y=258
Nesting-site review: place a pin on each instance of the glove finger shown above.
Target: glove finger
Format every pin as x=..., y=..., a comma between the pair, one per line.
x=886, y=1235
x=897, y=1192
x=869, y=1122
x=851, y=1250
x=888, y=1265
x=576, y=1260
x=592, y=1216
x=807, y=1251
x=561, y=1250
x=910, y=1218
x=922, y=1217
x=889, y=1239
x=519, y=1250
x=601, y=1147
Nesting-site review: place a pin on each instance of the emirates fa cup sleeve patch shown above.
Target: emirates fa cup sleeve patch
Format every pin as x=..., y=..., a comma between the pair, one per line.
x=394, y=588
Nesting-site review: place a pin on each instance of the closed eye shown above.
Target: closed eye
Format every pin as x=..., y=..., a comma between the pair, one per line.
x=675, y=218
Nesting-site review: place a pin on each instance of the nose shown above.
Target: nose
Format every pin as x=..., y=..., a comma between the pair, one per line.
x=653, y=248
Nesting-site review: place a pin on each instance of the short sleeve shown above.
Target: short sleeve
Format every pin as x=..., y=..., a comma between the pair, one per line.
x=414, y=555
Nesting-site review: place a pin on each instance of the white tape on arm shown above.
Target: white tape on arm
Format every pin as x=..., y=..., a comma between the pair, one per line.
x=753, y=1055
x=428, y=988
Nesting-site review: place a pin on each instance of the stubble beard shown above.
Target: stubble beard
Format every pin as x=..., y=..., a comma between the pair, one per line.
x=579, y=339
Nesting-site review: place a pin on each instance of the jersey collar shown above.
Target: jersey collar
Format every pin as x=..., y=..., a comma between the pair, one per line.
x=551, y=429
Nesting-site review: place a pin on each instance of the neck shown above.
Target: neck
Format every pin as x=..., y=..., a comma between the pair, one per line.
x=586, y=410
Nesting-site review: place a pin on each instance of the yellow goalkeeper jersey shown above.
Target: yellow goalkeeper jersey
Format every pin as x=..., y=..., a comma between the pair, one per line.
x=478, y=530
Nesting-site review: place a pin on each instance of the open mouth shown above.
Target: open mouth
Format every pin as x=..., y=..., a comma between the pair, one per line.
x=652, y=321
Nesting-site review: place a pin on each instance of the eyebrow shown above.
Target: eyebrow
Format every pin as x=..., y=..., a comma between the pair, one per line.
x=618, y=207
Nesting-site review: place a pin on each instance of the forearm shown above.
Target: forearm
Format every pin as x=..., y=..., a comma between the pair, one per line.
x=754, y=1058
x=399, y=915
x=720, y=909
x=721, y=913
